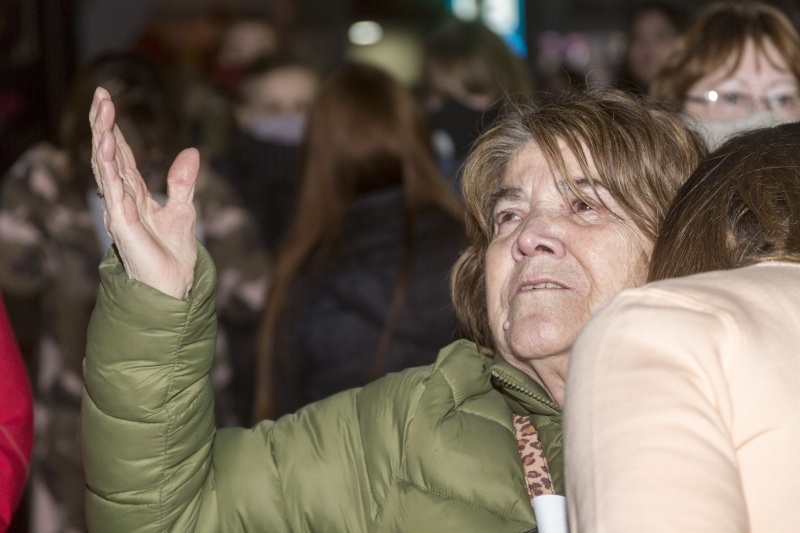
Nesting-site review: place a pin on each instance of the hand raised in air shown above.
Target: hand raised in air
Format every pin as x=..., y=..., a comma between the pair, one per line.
x=157, y=243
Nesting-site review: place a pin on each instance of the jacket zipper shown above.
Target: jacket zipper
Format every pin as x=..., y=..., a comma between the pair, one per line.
x=519, y=388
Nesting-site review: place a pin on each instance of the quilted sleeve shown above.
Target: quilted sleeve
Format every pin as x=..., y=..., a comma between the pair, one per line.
x=147, y=425
x=328, y=467
x=154, y=461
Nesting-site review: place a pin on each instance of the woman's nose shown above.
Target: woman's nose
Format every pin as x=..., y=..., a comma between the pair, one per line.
x=541, y=233
x=759, y=104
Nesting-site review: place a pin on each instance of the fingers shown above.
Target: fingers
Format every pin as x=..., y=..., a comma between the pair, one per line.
x=100, y=94
x=105, y=153
x=126, y=164
x=182, y=177
x=109, y=182
x=101, y=115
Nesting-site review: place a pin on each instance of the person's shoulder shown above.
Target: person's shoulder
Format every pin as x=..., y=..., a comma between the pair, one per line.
x=463, y=371
x=743, y=287
x=709, y=307
x=460, y=367
x=458, y=356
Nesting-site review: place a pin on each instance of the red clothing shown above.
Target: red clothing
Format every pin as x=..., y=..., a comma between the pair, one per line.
x=16, y=422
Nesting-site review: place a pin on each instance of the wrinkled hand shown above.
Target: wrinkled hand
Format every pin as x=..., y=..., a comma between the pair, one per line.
x=157, y=244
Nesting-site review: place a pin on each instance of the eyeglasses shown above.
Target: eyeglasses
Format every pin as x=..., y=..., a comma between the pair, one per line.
x=723, y=105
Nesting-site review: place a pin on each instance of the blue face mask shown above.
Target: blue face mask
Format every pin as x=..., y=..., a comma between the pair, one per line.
x=281, y=129
x=716, y=132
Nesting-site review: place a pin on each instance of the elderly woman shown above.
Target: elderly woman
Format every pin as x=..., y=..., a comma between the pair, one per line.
x=736, y=68
x=564, y=204
x=683, y=403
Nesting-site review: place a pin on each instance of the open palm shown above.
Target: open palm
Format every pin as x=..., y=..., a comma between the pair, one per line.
x=156, y=243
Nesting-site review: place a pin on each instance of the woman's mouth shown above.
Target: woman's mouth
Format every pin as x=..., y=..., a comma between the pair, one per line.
x=543, y=285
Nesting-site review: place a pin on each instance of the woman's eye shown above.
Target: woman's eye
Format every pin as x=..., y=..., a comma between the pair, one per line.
x=780, y=101
x=505, y=216
x=783, y=100
x=581, y=206
x=731, y=99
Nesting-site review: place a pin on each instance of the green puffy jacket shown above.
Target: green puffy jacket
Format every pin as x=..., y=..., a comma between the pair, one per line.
x=427, y=449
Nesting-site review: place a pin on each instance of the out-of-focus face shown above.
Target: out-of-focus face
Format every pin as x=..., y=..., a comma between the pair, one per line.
x=554, y=259
x=651, y=36
x=762, y=81
x=283, y=92
x=447, y=83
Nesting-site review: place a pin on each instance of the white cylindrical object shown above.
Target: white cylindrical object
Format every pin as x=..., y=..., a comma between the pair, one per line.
x=551, y=513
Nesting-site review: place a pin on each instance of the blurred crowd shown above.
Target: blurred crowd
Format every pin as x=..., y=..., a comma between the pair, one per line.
x=329, y=194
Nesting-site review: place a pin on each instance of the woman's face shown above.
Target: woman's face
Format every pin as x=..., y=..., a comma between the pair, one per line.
x=554, y=259
x=652, y=34
x=762, y=81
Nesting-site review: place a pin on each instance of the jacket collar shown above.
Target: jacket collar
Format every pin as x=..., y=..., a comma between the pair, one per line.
x=526, y=397
x=521, y=392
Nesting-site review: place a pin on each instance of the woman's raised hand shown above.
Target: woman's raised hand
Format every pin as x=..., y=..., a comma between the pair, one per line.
x=157, y=244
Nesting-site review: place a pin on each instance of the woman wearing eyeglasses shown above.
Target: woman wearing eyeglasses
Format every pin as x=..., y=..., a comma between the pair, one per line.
x=736, y=68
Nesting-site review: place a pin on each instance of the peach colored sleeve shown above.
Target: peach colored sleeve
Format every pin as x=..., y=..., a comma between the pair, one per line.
x=647, y=420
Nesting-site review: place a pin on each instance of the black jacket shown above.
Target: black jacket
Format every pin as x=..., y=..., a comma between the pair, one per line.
x=327, y=339
x=266, y=177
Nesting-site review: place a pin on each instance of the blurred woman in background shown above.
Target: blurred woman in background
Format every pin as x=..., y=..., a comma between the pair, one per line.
x=361, y=281
x=652, y=28
x=736, y=68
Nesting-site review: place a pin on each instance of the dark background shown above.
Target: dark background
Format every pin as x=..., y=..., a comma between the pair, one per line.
x=43, y=42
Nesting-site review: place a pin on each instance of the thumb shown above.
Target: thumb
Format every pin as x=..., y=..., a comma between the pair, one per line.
x=182, y=176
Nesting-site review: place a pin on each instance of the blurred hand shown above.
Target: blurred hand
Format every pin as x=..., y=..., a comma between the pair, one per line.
x=157, y=244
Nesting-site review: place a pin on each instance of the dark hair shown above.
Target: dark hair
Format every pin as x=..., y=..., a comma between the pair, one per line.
x=365, y=133
x=637, y=149
x=720, y=32
x=741, y=206
x=264, y=66
x=143, y=113
x=478, y=59
x=675, y=15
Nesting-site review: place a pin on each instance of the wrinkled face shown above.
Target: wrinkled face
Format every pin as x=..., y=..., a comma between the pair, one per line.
x=762, y=81
x=554, y=259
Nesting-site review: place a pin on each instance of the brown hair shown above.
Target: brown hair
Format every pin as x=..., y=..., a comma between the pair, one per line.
x=641, y=153
x=741, y=206
x=265, y=66
x=719, y=33
x=144, y=113
x=366, y=132
x=478, y=59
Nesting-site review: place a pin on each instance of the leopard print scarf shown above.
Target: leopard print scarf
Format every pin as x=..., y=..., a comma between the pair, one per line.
x=537, y=474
